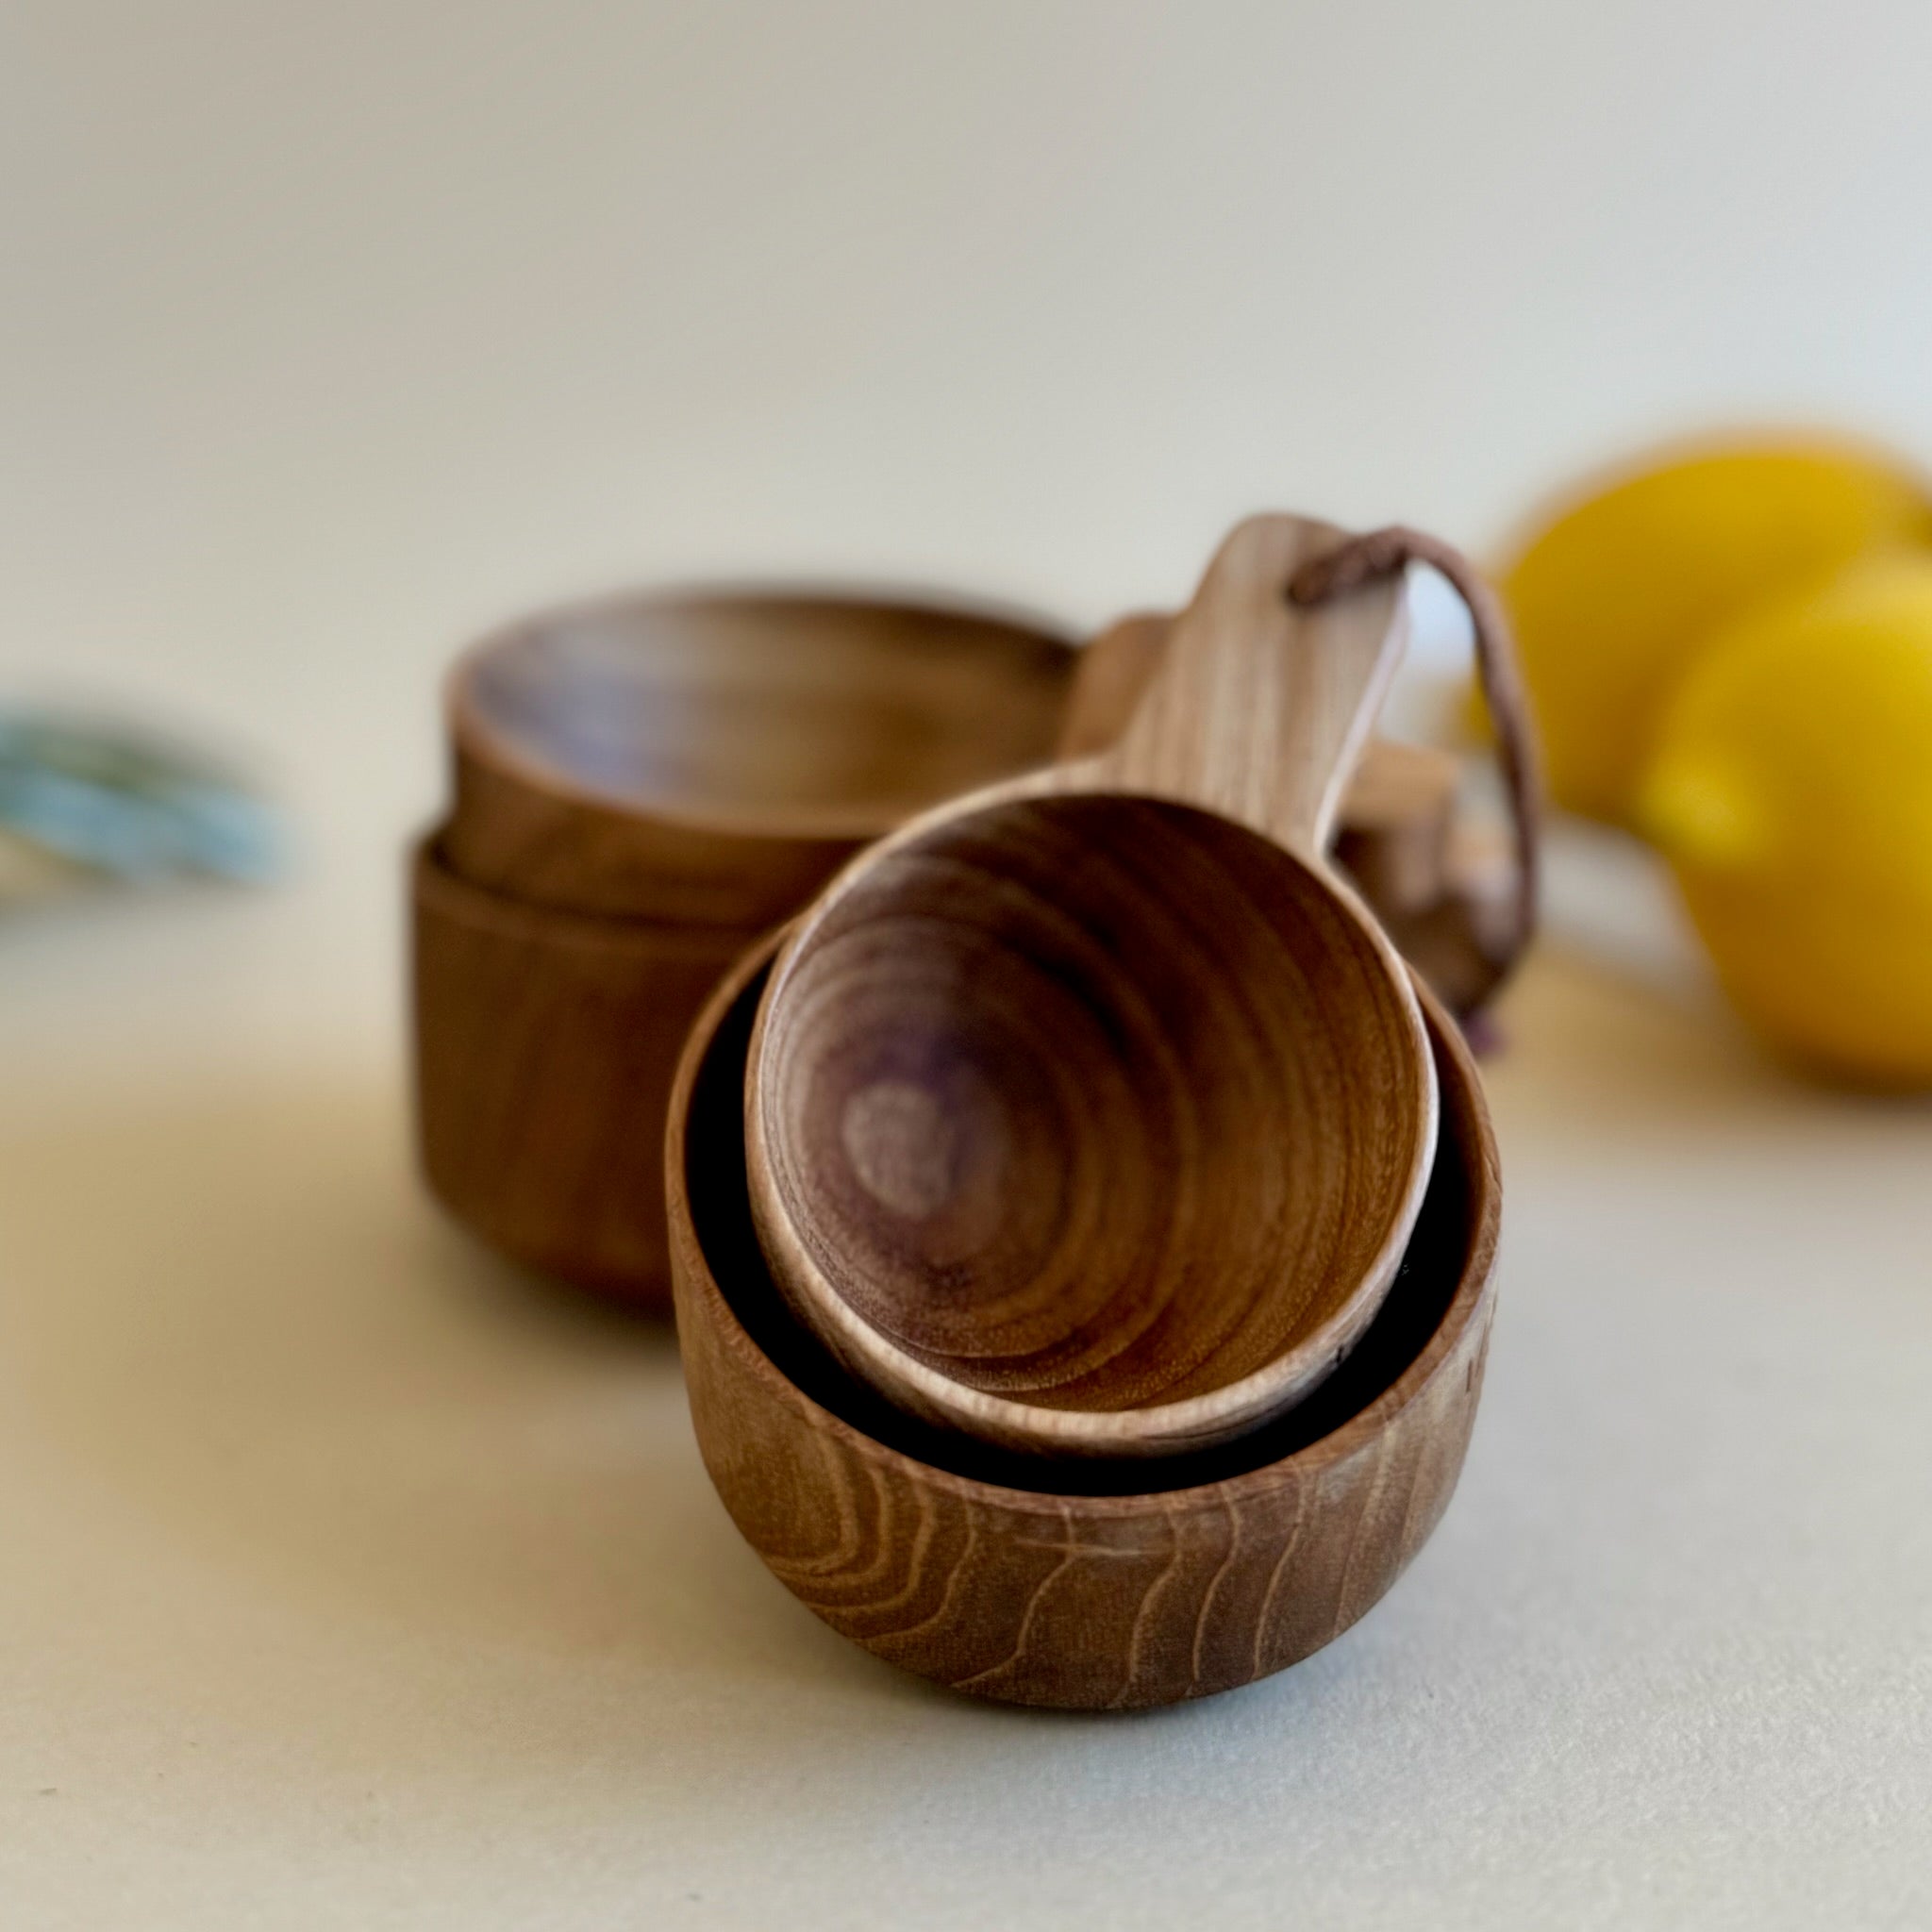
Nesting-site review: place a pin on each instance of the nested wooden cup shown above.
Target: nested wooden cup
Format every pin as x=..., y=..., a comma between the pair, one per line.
x=642, y=788
x=711, y=758
x=1064, y=1585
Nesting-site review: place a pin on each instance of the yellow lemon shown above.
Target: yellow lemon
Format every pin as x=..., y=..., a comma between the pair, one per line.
x=1612, y=600
x=1791, y=788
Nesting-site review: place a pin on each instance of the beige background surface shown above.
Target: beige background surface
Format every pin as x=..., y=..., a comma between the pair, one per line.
x=349, y=1580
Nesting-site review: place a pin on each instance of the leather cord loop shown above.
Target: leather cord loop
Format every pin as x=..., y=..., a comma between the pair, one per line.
x=1388, y=552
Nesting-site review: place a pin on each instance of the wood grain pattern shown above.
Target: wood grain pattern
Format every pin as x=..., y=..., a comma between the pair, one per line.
x=1026, y=1582
x=1259, y=708
x=714, y=757
x=1083, y=1119
x=1397, y=811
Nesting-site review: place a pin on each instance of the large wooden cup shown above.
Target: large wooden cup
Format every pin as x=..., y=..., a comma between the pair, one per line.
x=1028, y=1582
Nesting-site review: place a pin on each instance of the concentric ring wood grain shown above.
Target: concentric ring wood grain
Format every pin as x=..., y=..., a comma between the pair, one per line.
x=1014, y=1580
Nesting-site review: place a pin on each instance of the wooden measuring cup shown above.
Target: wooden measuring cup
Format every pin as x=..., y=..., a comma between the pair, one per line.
x=711, y=758
x=1089, y=1115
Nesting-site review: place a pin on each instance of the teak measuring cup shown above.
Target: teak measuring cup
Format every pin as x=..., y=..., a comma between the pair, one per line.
x=712, y=757
x=1078, y=1585
x=1089, y=1115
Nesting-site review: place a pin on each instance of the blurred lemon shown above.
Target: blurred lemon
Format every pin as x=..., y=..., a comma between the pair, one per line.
x=1611, y=601
x=1791, y=788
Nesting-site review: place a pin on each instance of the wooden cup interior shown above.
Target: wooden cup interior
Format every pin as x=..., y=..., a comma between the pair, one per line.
x=1457, y=1218
x=762, y=713
x=1095, y=1102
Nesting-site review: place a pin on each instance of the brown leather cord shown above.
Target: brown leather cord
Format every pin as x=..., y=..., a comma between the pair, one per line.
x=1387, y=552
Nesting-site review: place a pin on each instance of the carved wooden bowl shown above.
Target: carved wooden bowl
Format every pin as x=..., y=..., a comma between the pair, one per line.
x=1084, y=1586
x=715, y=758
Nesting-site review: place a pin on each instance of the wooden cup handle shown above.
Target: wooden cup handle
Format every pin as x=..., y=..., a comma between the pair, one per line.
x=1259, y=706
x=1482, y=930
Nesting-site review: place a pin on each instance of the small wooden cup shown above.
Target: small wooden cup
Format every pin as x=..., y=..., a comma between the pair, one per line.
x=713, y=758
x=643, y=787
x=955, y=1560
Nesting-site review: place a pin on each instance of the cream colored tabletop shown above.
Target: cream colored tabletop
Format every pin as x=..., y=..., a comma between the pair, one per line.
x=349, y=1579
x=353, y=1581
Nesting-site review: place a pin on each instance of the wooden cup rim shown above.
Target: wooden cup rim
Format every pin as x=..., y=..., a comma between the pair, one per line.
x=474, y=737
